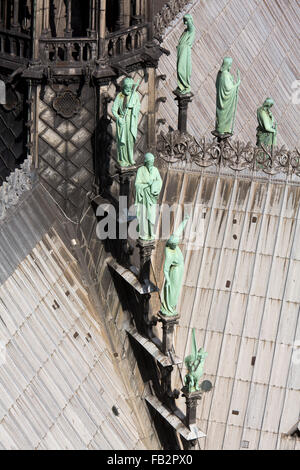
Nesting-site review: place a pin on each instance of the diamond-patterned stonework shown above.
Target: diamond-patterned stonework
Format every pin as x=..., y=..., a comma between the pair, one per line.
x=65, y=149
x=12, y=137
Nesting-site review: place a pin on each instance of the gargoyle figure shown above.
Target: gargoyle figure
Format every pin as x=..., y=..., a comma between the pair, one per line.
x=194, y=363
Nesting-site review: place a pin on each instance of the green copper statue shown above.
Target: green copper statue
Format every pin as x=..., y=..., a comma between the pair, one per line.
x=194, y=364
x=173, y=271
x=126, y=110
x=184, y=59
x=227, y=98
x=148, y=185
x=266, y=132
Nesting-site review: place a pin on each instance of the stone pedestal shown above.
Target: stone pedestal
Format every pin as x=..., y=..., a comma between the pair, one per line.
x=191, y=401
x=168, y=324
x=221, y=137
x=146, y=247
x=183, y=102
x=124, y=175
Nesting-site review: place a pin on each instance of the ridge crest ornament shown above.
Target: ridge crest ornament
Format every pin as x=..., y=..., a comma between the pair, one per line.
x=66, y=104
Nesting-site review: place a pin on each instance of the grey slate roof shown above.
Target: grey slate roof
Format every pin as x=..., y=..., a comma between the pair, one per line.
x=241, y=292
x=263, y=40
x=59, y=380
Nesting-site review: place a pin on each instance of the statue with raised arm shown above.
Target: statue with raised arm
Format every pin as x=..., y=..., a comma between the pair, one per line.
x=195, y=364
x=184, y=56
x=227, y=98
x=173, y=271
x=126, y=110
x=266, y=132
x=148, y=184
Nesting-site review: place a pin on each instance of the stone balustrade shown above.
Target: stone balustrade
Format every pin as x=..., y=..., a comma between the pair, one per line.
x=16, y=45
x=68, y=50
x=126, y=41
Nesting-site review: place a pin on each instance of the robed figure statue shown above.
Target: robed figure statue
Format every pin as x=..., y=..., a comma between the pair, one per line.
x=227, y=98
x=184, y=56
x=148, y=185
x=266, y=132
x=126, y=110
x=173, y=271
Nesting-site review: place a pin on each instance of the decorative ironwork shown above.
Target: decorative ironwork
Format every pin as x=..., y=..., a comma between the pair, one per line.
x=16, y=184
x=168, y=13
x=67, y=104
x=175, y=147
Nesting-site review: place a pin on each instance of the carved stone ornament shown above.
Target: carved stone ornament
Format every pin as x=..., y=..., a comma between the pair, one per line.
x=175, y=147
x=16, y=184
x=167, y=14
x=66, y=104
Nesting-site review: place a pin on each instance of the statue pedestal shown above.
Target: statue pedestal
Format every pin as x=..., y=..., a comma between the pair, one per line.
x=146, y=247
x=174, y=421
x=125, y=174
x=221, y=137
x=168, y=324
x=191, y=401
x=183, y=103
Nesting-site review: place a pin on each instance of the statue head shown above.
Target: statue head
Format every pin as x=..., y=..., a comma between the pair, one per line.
x=227, y=63
x=188, y=20
x=173, y=242
x=127, y=86
x=268, y=103
x=149, y=160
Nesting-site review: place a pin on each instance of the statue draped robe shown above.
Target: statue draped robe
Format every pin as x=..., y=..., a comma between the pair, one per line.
x=184, y=60
x=126, y=126
x=227, y=95
x=173, y=269
x=266, y=123
x=148, y=185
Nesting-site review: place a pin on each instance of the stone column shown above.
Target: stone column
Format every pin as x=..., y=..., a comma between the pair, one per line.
x=191, y=401
x=138, y=12
x=125, y=177
x=92, y=19
x=15, y=19
x=120, y=20
x=46, y=8
x=143, y=9
x=1, y=14
x=183, y=102
x=68, y=29
x=146, y=248
x=37, y=25
x=102, y=28
x=127, y=8
x=151, y=109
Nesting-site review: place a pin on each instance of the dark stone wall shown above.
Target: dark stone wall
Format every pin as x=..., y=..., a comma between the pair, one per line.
x=66, y=164
x=12, y=135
